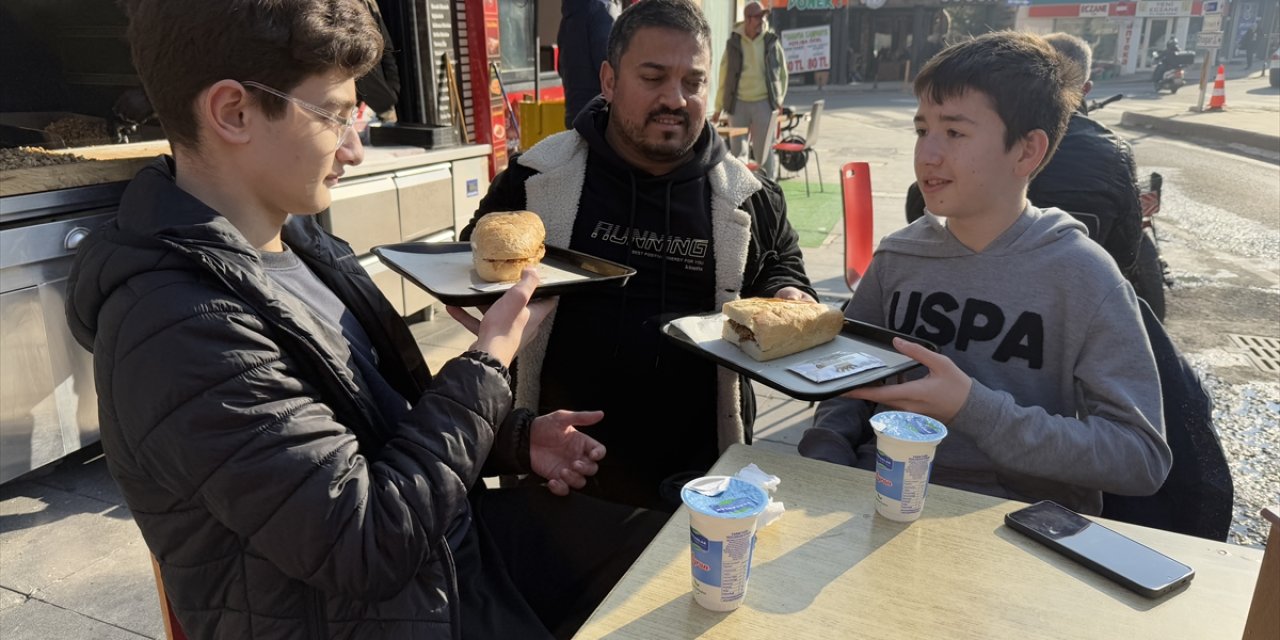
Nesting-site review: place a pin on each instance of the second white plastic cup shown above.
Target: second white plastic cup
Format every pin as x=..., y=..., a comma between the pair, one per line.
x=905, y=445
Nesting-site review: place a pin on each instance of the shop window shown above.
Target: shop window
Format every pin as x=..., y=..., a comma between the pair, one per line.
x=520, y=24
x=1102, y=34
x=517, y=31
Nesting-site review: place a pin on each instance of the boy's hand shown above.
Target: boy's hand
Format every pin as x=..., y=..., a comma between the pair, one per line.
x=562, y=454
x=509, y=322
x=939, y=395
x=792, y=293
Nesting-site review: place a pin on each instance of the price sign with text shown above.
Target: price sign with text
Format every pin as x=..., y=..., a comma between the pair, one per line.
x=807, y=49
x=1209, y=40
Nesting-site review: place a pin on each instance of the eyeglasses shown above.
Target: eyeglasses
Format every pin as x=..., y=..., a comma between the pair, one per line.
x=347, y=124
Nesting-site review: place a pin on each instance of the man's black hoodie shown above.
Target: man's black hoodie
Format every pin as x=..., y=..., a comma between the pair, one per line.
x=605, y=350
x=659, y=401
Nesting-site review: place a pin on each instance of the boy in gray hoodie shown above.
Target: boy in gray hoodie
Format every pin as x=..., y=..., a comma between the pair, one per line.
x=1045, y=377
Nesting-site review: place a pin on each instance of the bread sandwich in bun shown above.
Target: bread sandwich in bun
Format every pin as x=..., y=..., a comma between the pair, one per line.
x=504, y=243
x=769, y=328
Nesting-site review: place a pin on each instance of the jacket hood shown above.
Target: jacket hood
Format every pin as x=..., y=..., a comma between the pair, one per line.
x=708, y=150
x=1035, y=228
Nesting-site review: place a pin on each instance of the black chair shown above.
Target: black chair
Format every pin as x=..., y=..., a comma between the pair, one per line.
x=1196, y=498
x=793, y=151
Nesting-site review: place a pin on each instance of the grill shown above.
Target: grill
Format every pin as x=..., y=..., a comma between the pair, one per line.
x=1264, y=353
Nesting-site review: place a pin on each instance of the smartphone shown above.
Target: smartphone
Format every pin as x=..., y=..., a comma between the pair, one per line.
x=1122, y=559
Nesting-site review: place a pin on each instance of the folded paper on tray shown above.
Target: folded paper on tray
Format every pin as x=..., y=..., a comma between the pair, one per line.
x=836, y=365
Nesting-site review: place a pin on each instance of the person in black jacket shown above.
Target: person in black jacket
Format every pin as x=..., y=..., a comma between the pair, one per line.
x=642, y=180
x=380, y=87
x=583, y=40
x=290, y=461
x=1093, y=175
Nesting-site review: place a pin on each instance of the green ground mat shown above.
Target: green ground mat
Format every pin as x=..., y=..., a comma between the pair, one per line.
x=813, y=216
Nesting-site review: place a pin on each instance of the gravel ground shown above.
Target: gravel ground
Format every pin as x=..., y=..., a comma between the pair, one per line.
x=1217, y=259
x=28, y=157
x=1248, y=421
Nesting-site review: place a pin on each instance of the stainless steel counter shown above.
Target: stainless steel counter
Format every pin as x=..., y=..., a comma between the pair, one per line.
x=386, y=159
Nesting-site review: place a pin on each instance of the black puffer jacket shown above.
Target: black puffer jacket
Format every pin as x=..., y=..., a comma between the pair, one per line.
x=1092, y=176
x=278, y=502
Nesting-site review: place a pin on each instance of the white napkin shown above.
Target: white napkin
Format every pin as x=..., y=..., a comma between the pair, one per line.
x=757, y=476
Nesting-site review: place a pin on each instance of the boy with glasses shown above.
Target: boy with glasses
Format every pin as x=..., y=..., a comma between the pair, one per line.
x=289, y=459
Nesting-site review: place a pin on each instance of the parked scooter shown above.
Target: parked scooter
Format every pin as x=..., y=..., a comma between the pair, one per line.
x=1169, y=72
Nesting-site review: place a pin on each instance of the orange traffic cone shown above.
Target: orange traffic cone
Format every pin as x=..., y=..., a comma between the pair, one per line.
x=1218, y=101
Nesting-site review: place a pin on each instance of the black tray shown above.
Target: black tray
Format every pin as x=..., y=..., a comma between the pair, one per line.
x=445, y=271
x=701, y=335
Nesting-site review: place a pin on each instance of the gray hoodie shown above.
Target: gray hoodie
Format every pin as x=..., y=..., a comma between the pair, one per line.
x=1065, y=402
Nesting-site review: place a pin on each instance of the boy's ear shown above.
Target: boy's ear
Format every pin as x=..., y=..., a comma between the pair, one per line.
x=1031, y=150
x=224, y=111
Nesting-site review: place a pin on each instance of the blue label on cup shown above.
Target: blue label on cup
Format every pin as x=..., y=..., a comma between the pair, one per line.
x=883, y=461
x=698, y=540
x=737, y=505
x=889, y=476
x=723, y=565
x=707, y=558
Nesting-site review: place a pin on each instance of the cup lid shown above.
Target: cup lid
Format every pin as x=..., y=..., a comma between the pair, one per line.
x=908, y=426
x=724, y=497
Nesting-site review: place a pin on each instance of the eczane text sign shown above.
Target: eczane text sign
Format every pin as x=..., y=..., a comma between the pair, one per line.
x=1094, y=10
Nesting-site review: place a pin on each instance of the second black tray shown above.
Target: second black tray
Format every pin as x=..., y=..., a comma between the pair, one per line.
x=701, y=335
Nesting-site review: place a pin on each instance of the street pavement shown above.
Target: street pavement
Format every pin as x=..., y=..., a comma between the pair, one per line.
x=1250, y=121
x=73, y=565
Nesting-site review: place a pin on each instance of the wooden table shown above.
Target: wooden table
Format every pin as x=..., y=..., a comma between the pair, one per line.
x=731, y=132
x=830, y=567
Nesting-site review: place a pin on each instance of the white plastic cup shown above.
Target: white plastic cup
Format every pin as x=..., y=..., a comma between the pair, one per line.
x=905, y=446
x=722, y=537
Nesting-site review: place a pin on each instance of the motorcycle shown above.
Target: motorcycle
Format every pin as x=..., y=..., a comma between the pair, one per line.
x=1152, y=273
x=1169, y=72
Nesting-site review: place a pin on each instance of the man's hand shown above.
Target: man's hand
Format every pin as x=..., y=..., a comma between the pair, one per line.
x=792, y=293
x=939, y=395
x=509, y=322
x=562, y=454
x=715, y=117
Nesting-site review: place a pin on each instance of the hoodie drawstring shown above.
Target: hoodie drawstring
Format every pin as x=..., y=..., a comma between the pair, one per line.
x=662, y=286
x=631, y=223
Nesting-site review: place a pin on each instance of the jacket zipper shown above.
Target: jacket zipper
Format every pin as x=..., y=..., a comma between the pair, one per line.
x=316, y=621
x=455, y=601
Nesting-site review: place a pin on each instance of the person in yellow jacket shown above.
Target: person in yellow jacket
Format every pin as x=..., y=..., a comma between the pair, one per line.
x=753, y=84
